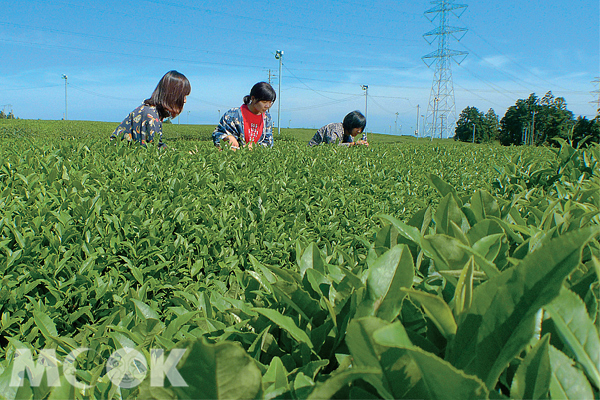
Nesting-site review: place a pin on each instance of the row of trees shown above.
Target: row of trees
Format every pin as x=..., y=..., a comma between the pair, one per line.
x=10, y=115
x=533, y=121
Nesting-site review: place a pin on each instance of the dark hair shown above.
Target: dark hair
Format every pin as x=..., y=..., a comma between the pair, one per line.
x=354, y=120
x=169, y=95
x=262, y=91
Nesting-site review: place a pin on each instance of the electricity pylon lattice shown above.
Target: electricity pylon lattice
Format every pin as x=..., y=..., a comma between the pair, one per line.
x=597, y=93
x=441, y=111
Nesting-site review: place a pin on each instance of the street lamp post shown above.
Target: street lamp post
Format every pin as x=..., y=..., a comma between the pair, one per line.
x=417, y=130
x=366, y=89
x=434, y=117
x=65, y=78
x=279, y=56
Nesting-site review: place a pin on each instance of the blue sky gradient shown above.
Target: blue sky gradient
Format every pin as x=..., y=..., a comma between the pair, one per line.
x=114, y=53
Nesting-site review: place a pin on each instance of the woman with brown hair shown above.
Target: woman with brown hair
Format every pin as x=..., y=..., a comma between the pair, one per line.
x=144, y=123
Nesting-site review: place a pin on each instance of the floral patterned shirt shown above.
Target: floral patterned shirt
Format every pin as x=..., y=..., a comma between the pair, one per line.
x=142, y=125
x=331, y=133
x=232, y=123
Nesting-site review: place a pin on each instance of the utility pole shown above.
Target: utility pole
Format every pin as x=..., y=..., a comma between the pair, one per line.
x=366, y=89
x=279, y=56
x=533, y=128
x=65, y=78
x=473, y=132
x=396, y=125
x=417, y=130
x=441, y=106
x=269, y=76
x=434, y=118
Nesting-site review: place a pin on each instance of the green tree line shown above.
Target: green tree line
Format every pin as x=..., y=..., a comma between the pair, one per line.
x=10, y=115
x=532, y=121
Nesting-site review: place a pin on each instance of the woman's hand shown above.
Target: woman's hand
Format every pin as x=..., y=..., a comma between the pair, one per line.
x=232, y=142
x=362, y=142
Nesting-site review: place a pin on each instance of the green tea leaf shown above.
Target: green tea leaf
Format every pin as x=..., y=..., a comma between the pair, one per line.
x=463, y=293
x=275, y=379
x=409, y=232
x=442, y=187
x=484, y=205
x=567, y=381
x=144, y=310
x=311, y=258
x=45, y=323
x=285, y=323
x=446, y=251
x=393, y=335
x=417, y=374
x=577, y=331
x=336, y=381
x=436, y=309
x=447, y=212
x=532, y=380
x=390, y=272
x=501, y=319
x=214, y=371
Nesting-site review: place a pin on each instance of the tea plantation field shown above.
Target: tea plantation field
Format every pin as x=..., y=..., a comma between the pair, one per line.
x=408, y=269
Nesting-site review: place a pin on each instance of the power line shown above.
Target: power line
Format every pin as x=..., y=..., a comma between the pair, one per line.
x=29, y=88
x=597, y=93
x=514, y=62
x=182, y=48
x=129, y=55
x=319, y=106
x=122, y=40
x=100, y=94
x=491, y=85
x=267, y=22
x=382, y=107
x=309, y=88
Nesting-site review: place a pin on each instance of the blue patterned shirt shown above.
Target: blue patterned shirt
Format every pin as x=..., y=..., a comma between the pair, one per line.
x=232, y=123
x=331, y=133
x=142, y=125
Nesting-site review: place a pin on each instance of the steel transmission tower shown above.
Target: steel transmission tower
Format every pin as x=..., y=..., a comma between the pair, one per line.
x=597, y=93
x=441, y=111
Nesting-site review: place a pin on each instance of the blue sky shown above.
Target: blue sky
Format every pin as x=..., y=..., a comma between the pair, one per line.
x=114, y=53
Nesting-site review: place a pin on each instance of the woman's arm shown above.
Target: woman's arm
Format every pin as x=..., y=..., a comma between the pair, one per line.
x=318, y=138
x=231, y=124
